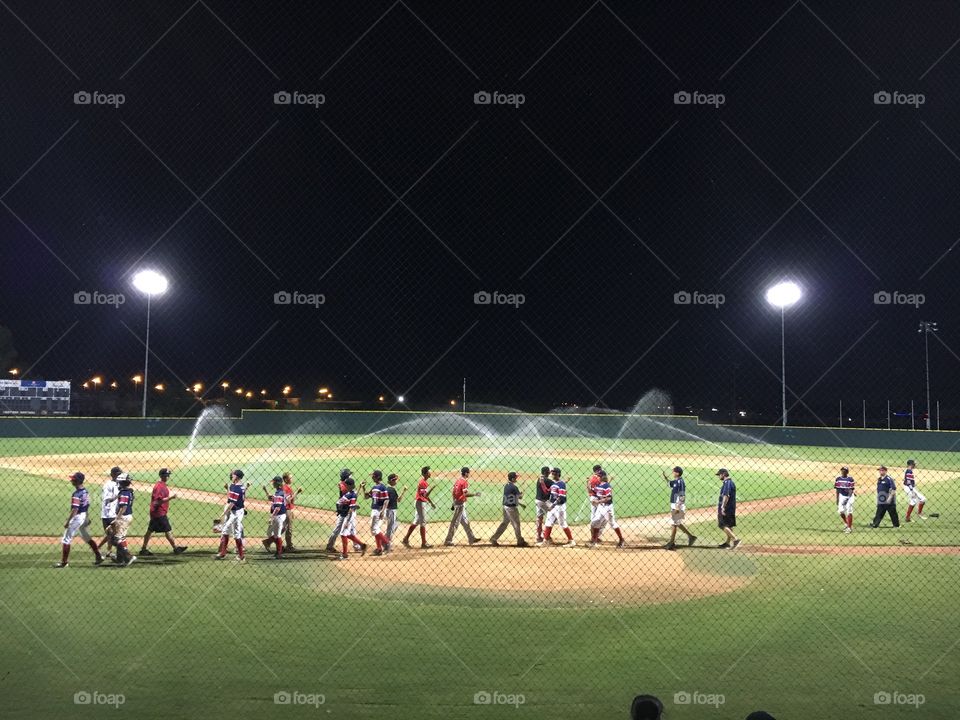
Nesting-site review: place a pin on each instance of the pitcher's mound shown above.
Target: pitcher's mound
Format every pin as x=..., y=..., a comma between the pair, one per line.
x=619, y=576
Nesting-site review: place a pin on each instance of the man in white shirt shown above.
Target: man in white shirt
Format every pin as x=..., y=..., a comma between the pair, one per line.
x=108, y=504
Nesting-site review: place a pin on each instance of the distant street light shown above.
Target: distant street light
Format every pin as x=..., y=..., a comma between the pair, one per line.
x=239, y=391
x=783, y=295
x=197, y=387
x=96, y=382
x=287, y=390
x=400, y=398
x=13, y=371
x=150, y=283
x=926, y=328
x=159, y=387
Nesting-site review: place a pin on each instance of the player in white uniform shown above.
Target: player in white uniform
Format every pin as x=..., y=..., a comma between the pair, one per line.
x=914, y=497
x=77, y=521
x=603, y=514
x=108, y=507
x=557, y=510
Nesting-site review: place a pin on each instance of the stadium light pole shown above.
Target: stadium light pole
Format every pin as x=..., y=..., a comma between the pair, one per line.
x=926, y=328
x=150, y=283
x=783, y=295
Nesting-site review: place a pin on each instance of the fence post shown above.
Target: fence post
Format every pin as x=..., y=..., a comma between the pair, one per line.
x=841, y=413
x=913, y=425
x=864, y=414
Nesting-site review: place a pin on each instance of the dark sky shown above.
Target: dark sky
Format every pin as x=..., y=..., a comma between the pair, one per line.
x=598, y=198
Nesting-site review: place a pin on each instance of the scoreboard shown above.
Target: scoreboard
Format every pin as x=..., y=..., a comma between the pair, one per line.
x=34, y=397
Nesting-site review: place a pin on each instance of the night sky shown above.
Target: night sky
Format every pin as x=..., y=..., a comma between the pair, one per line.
x=399, y=197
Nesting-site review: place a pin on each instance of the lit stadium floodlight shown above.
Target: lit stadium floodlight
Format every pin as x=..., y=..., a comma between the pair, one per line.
x=783, y=295
x=150, y=283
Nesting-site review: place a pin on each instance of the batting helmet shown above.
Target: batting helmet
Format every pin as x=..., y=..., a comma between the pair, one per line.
x=77, y=477
x=511, y=476
x=277, y=480
x=344, y=474
x=376, y=475
x=556, y=471
x=911, y=463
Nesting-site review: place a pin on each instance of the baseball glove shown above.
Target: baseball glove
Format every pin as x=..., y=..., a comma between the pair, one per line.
x=217, y=525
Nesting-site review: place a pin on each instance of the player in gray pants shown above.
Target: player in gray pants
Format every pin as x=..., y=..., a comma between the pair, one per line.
x=459, y=507
x=511, y=515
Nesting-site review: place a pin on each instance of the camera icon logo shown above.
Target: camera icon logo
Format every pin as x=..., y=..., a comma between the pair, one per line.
x=482, y=98
x=82, y=298
x=482, y=698
x=282, y=98
x=681, y=698
x=882, y=698
x=82, y=697
x=682, y=298
x=882, y=297
x=682, y=98
x=82, y=98
x=282, y=697
x=282, y=298
x=482, y=298
x=882, y=98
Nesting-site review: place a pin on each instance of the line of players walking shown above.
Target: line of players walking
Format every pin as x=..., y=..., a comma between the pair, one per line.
x=551, y=502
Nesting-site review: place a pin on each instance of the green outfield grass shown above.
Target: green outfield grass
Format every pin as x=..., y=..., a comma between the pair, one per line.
x=811, y=636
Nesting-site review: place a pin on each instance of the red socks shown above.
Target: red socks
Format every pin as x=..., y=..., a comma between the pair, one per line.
x=64, y=553
x=593, y=534
x=239, y=544
x=423, y=535
x=539, y=529
x=546, y=532
x=843, y=518
x=409, y=533
x=850, y=521
x=381, y=541
x=223, y=545
x=569, y=534
x=95, y=548
x=619, y=534
x=920, y=509
x=909, y=510
x=279, y=546
x=343, y=540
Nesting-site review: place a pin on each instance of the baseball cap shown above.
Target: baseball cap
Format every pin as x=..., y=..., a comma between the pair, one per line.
x=376, y=474
x=78, y=476
x=392, y=476
x=722, y=471
x=464, y=470
x=277, y=479
x=425, y=469
x=114, y=471
x=844, y=469
x=164, y=472
x=238, y=473
x=124, y=478
x=349, y=482
x=511, y=476
x=678, y=470
x=882, y=467
x=911, y=462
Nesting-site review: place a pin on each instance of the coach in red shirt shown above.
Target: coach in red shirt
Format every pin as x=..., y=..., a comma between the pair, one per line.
x=159, y=522
x=460, y=495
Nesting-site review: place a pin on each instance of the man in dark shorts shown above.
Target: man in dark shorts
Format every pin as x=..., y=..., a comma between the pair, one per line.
x=886, y=498
x=727, y=509
x=159, y=522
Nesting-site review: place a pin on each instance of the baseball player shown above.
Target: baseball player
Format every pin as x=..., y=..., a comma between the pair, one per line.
x=393, y=500
x=77, y=522
x=278, y=516
x=557, y=510
x=727, y=509
x=232, y=519
x=121, y=524
x=845, y=488
x=347, y=509
x=886, y=498
x=592, y=483
x=420, y=509
x=345, y=475
x=108, y=507
x=511, y=516
x=603, y=514
x=461, y=494
x=543, y=499
x=291, y=497
x=159, y=522
x=678, y=508
x=914, y=497
x=378, y=510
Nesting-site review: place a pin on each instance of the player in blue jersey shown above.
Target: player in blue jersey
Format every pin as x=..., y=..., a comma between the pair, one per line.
x=727, y=509
x=231, y=522
x=557, y=509
x=914, y=497
x=846, y=493
x=347, y=512
x=121, y=524
x=278, y=516
x=603, y=514
x=77, y=522
x=678, y=508
x=379, y=497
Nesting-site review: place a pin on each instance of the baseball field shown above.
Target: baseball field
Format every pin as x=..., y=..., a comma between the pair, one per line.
x=801, y=619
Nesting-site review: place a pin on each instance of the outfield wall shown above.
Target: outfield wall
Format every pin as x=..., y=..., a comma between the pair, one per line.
x=274, y=422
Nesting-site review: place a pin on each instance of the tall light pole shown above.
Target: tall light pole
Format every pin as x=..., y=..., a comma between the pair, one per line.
x=926, y=328
x=783, y=295
x=150, y=283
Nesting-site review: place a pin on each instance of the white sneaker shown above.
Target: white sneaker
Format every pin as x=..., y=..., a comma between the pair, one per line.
x=572, y=543
x=62, y=565
x=847, y=530
x=539, y=543
x=341, y=557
